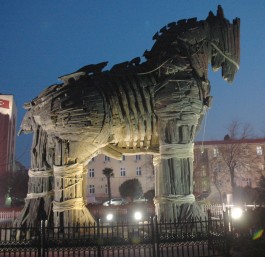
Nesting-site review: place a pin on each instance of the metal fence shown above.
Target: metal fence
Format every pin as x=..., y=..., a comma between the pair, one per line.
x=9, y=215
x=151, y=238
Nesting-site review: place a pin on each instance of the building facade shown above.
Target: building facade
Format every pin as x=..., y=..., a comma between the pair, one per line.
x=130, y=167
x=212, y=179
x=8, y=118
x=214, y=161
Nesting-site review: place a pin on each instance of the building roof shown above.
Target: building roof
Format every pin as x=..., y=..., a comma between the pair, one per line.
x=231, y=141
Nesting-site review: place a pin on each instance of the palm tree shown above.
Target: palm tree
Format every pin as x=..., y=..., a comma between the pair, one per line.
x=108, y=173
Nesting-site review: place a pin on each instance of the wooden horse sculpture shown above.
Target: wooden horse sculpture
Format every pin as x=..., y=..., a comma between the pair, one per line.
x=154, y=107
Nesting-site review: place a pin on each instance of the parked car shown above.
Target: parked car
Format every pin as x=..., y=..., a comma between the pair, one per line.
x=94, y=203
x=141, y=199
x=115, y=201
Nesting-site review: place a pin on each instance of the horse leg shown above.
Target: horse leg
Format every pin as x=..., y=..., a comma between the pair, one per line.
x=69, y=206
x=179, y=109
x=39, y=198
x=174, y=176
x=48, y=184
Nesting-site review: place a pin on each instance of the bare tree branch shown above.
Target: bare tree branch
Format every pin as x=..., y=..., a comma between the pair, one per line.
x=235, y=155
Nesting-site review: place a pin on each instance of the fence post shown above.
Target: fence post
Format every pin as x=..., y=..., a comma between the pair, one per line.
x=98, y=238
x=153, y=236
x=227, y=234
x=41, y=248
x=209, y=214
x=210, y=229
x=157, y=236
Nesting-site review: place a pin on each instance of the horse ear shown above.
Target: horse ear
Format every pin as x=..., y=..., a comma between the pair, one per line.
x=211, y=15
x=220, y=12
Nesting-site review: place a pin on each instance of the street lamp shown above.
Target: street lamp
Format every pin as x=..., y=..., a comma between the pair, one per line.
x=109, y=217
x=138, y=215
x=236, y=213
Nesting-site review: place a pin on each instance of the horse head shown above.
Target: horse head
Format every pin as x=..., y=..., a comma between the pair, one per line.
x=191, y=44
x=224, y=42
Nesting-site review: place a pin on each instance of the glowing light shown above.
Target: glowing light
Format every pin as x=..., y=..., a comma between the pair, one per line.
x=236, y=213
x=138, y=215
x=109, y=217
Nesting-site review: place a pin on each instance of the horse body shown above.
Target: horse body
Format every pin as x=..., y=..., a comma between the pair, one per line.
x=151, y=107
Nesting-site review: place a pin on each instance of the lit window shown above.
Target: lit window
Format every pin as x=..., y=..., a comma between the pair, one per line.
x=138, y=171
x=259, y=150
x=137, y=157
x=107, y=158
x=92, y=189
x=91, y=173
x=215, y=152
x=123, y=172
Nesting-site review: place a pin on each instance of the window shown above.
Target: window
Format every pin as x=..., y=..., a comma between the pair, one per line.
x=91, y=189
x=123, y=172
x=204, y=186
x=204, y=155
x=203, y=170
x=259, y=150
x=123, y=157
x=246, y=151
x=138, y=171
x=219, y=183
x=215, y=152
x=107, y=158
x=137, y=157
x=91, y=173
x=217, y=167
x=248, y=182
x=92, y=160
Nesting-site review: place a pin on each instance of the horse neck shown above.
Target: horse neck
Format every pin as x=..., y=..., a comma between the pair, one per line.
x=183, y=48
x=191, y=62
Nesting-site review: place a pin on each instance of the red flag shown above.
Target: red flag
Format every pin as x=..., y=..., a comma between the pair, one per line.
x=4, y=103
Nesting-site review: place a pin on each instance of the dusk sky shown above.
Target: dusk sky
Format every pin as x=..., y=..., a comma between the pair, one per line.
x=42, y=40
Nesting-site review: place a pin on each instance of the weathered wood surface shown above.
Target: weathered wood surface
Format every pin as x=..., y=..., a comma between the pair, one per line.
x=151, y=107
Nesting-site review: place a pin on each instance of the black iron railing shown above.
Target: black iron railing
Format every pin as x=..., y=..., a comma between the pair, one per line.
x=151, y=238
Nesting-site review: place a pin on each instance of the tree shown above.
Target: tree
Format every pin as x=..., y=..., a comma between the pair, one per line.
x=15, y=184
x=261, y=189
x=216, y=183
x=18, y=187
x=108, y=173
x=149, y=195
x=234, y=154
x=246, y=195
x=131, y=188
x=4, y=187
